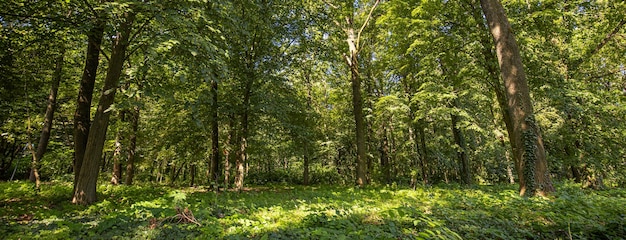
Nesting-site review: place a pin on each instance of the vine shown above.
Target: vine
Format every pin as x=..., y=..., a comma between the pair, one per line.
x=529, y=158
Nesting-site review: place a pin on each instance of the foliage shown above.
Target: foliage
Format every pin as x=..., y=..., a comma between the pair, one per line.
x=321, y=212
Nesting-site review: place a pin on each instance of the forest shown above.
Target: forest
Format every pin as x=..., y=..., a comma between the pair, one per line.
x=300, y=119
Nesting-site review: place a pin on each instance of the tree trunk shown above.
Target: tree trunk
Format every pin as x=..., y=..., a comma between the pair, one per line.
x=44, y=139
x=384, y=154
x=459, y=139
x=424, y=153
x=116, y=177
x=85, y=93
x=132, y=147
x=357, y=103
x=176, y=173
x=306, y=141
x=490, y=64
x=305, y=170
x=242, y=141
x=192, y=172
x=528, y=150
x=227, y=148
x=86, y=184
x=215, y=149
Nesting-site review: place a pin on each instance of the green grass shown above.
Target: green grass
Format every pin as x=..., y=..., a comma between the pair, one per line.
x=318, y=212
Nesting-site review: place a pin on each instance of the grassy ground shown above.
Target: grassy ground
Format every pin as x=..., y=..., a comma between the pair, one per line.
x=319, y=212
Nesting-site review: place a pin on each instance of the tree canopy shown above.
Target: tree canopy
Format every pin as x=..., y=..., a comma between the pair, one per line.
x=231, y=93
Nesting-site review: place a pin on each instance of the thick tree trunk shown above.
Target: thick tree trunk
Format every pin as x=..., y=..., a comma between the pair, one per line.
x=490, y=64
x=215, y=148
x=132, y=147
x=44, y=139
x=86, y=184
x=529, y=153
x=240, y=163
x=85, y=94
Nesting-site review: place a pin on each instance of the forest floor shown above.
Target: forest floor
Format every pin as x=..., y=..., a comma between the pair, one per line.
x=315, y=212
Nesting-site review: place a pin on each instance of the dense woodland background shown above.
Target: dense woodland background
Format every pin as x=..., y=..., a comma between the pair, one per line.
x=259, y=91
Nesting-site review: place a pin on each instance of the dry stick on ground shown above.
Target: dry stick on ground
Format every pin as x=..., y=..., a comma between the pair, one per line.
x=182, y=216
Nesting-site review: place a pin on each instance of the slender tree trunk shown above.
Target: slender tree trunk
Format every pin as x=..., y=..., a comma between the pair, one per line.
x=86, y=185
x=528, y=150
x=305, y=171
x=384, y=154
x=227, y=148
x=192, y=172
x=424, y=153
x=176, y=173
x=215, y=149
x=116, y=177
x=306, y=141
x=44, y=139
x=459, y=139
x=357, y=103
x=132, y=146
x=83, y=103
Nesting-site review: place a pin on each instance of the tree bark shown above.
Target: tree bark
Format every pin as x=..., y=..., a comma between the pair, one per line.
x=528, y=149
x=215, y=149
x=132, y=146
x=459, y=140
x=85, y=93
x=86, y=184
x=44, y=138
x=424, y=153
x=306, y=141
x=116, y=177
x=242, y=141
x=357, y=103
x=192, y=172
x=227, y=148
x=384, y=154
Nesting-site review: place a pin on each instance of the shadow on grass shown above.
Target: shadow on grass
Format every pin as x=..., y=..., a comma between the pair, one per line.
x=323, y=212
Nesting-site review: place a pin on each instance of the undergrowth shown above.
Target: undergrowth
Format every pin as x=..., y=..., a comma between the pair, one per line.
x=317, y=212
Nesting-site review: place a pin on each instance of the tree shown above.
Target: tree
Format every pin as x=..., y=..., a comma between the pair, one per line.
x=525, y=137
x=353, y=38
x=44, y=139
x=82, y=115
x=85, y=192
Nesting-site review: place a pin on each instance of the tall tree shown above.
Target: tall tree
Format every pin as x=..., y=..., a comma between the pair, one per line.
x=82, y=115
x=44, y=139
x=526, y=140
x=132, y=146
x=353, y=38
x=85, y=192
x=215, y=147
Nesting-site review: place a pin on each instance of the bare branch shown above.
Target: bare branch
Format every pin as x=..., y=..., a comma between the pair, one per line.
x=358, y=36
x=330, y=4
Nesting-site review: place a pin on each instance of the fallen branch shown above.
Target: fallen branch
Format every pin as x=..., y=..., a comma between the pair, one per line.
x=182, y=216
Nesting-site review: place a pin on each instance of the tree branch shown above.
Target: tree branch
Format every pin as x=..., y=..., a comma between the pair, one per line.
x=602, y=43
x=358, y=35
x=330, y=4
